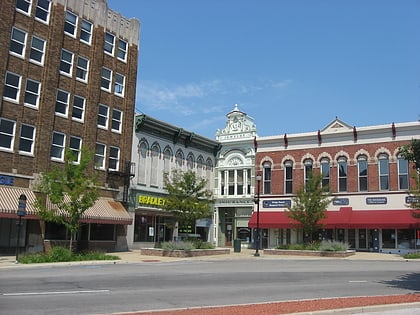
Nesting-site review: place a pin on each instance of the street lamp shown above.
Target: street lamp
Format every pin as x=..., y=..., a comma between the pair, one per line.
x=21, y=213
x=257, y=201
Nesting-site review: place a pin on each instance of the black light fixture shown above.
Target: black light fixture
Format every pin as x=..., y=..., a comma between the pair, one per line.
x=257, y=201
x=21, y=213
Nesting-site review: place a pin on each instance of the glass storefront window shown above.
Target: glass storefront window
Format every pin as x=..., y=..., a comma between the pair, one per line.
x=406, y=239
x=102, y=232
x=388, y=238
x=144, y=228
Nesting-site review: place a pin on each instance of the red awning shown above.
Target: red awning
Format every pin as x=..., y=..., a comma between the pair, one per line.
x=345, y=218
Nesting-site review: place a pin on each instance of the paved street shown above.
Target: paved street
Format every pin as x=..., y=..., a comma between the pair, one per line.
x=144, y=282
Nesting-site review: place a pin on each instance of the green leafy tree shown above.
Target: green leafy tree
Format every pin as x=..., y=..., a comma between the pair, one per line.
x=309, y=205
x=71, y=189
x=411, y=152
x=188, y=199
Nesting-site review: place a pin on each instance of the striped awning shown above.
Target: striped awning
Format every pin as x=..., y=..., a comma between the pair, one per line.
x=9, y=202
x=104, y=211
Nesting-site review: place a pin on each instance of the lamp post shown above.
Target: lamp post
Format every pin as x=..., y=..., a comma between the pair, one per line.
x=257, y=201
x=21, y=213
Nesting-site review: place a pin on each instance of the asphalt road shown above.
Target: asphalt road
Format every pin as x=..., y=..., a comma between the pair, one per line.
x=105, y=289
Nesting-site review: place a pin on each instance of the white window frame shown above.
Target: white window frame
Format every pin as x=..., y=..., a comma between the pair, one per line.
x=18, y=42
x=106, y=79
x=60, y=145
x=403, y=174
x=35, y=49
x=119, y=84
x=383, y=172
x=80, y=69
x=76, y=150
x=116, y=120
x=64, y=61
x=32, y=92
x=109, y=46
x=29, y=139
x=28, y=2
x=114, y=158
x=5, y=133
x=122, y=51
x=100, y=155
x=61, y=102
x=86, y=31
x=103, y=116
x=8, y=85
x=70, y=24
x=78, y=107
x=41, y=9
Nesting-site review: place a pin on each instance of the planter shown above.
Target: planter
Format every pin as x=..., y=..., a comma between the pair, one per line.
x=315, y=253
x=184, y=253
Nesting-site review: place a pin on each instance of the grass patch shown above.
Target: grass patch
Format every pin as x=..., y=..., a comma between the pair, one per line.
x=412, y=256
x=62, y=254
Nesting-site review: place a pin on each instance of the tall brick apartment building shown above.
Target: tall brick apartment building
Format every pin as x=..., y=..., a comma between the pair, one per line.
x=365, y=173
x=68, y=77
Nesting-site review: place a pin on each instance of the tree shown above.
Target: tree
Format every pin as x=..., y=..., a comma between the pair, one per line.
x=188, y=199
x=411, y=152
x=71, y=189
x=309, y=205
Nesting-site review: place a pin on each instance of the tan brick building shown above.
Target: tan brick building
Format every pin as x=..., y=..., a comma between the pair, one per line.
x=68, y=79
x=366, y=175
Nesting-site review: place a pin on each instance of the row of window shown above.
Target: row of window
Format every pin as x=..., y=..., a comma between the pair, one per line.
x=58, y=144
x=112, y=45
x=342, y=167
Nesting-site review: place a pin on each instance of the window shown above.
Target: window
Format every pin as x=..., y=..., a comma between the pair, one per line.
x=106, y=79
x=288, y=177
x=325, y=171
x=82, y=69
x=122, y=50
x=7, y=134
x=116, y=120
x=154, y=165
x=27, y=139
x=190, y=161
x=167, y=154
x=18, y=42
x=86, y=32
x=119, y=84
x=24, y=6
x=43, y=10
x=100, y=156
x=32, y=93
x=308, y=164
x=267, y=178
x=66, y=63
x=240, y=182
x=75, y=146
x=103, y=112
x=362, y=165
x=109, y=43
x=37, y=50
x=383, y=164
x=342, y=174
x=70, y=25
x=12, y=86
x=62, y=102
x=402, y=173
x=57, y=146
x=114, y=158
x=78, y=108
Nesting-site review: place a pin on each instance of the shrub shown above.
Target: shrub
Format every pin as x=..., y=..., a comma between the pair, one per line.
x=178, y=245
x=412, y=256
x=333, y=246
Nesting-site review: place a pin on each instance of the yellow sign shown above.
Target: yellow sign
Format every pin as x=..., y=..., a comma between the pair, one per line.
x=152, y=201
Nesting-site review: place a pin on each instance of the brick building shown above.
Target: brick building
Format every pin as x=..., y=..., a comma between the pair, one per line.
x=68, y=76
x=366, y=175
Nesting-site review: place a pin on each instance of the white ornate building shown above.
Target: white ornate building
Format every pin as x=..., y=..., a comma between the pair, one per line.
x=234, y=179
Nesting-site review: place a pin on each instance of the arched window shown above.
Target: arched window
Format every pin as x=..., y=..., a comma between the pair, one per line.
x=154, y=165
x=190, y=162
x=179, y=158
x=342, y=174
x=288, y=177
x=200, y=166
x=383, y=164
x=402, y=173
x=308, y=167
x=167, y=156
x=362, y=164
x=142, y=150
x=267, y=178
x=325, y=171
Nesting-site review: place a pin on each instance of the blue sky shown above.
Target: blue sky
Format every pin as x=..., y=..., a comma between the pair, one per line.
x=292, y=65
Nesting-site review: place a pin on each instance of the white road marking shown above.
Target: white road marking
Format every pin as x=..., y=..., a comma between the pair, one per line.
x=357, y=281
x=55, y=292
